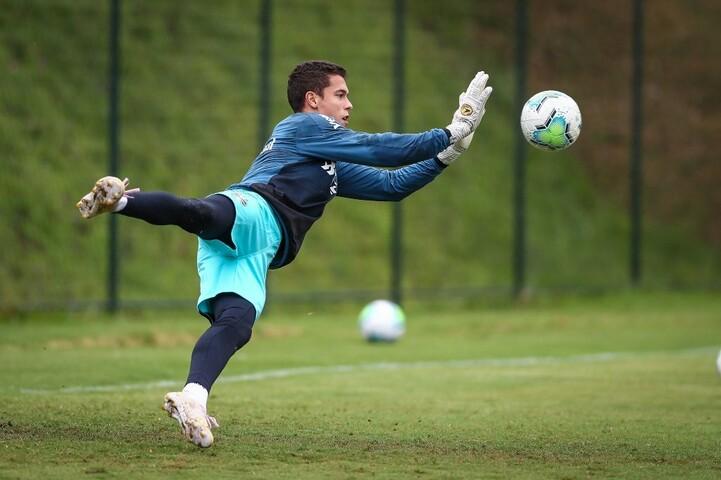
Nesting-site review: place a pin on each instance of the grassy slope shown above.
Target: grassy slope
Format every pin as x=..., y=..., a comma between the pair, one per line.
x=649, y=414
x=189, y=86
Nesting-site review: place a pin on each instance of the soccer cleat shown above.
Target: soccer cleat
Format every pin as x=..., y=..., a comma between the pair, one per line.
x=195, y=423
x=103, y=197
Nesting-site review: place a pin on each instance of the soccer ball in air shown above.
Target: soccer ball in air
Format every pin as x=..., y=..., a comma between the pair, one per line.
x=382, y=321
x=551, y=120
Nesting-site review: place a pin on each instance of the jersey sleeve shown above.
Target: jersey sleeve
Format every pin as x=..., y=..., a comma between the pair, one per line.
x=370, y=183
x=322, y=137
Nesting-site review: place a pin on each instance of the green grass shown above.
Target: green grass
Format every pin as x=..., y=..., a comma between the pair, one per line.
x=533, y=398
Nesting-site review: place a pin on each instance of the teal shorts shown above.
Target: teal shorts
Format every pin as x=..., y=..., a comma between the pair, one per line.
x=256, y=235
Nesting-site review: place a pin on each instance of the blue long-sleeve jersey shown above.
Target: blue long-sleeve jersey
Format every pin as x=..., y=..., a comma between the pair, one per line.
x=310, y=158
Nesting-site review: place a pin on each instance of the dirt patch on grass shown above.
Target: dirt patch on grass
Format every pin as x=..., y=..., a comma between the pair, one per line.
x=279, y=331
x=153, y=339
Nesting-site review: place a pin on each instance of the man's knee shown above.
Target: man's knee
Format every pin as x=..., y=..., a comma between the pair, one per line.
x=239, y=325
x=214, y=217
x=236, y=314
x=200, y=213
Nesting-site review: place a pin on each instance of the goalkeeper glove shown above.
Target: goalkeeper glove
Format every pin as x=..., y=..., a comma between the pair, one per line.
x=472, y=108
x=450, y=154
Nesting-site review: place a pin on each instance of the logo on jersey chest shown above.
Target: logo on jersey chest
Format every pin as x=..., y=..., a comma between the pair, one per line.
x=332, y=121
x=268, y=145
x=329, y=168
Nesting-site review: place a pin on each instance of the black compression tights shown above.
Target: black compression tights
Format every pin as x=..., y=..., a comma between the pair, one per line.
x=210, y=218
x=231, y=328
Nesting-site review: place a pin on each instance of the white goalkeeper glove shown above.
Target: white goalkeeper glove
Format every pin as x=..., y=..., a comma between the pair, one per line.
x=450, y=154
x=472, y=108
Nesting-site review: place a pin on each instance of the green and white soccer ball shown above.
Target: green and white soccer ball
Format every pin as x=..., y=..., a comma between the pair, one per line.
x=382, y=321
x=551, y=120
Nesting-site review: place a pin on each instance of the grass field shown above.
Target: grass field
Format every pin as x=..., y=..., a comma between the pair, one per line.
x=607, y=387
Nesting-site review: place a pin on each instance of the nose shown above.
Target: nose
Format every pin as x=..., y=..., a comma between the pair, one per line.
x=349, y=106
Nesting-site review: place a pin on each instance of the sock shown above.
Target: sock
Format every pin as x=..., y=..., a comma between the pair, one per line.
x=197, y=393
x=121, y=204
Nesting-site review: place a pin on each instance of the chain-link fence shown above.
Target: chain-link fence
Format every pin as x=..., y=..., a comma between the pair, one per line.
x=200, y=85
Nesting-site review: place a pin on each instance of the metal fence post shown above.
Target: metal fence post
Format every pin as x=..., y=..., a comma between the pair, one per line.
x=113, y=139
x=266, y=10
x=519, y=163
x=636, y=163
x=398, y=109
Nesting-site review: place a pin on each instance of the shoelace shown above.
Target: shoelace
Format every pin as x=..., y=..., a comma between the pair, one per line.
x=212, y=421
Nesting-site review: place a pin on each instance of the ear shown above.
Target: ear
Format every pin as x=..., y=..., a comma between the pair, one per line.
x=311, y=99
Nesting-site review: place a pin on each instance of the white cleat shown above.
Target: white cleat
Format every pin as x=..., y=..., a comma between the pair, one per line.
x=195, y=423
x=103, y=197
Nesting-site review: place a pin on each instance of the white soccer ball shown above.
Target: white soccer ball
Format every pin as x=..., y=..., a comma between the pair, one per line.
x=718, y=363
x=551, y=120
x=382, y=321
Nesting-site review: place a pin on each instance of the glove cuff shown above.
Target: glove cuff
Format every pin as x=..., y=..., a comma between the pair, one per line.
x=458, y=130
x=447, y=156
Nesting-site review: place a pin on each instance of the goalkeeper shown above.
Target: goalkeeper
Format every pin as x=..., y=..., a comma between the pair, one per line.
x=260, y=222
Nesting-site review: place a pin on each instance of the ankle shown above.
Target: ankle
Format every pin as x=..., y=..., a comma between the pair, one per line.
x=120, y=204
x=197, y=392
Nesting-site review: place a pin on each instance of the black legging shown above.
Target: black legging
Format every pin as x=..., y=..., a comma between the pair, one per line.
x=232, y=318
x=210, y=218
x=231, y=328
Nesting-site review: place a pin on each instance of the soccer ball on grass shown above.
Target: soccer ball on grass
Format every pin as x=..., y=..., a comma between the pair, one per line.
x=382, y=321
x=551, y=120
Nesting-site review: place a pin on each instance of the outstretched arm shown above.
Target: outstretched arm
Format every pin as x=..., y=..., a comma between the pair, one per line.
x=369, y=183
x=321, y=137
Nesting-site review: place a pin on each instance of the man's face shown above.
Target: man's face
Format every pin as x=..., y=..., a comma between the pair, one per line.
x=334, y=102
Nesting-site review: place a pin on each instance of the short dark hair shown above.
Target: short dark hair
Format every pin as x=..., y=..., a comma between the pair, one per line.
x=310, y=76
